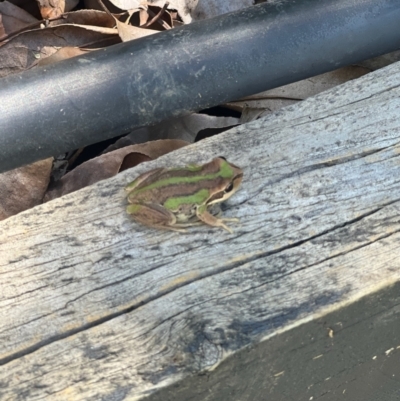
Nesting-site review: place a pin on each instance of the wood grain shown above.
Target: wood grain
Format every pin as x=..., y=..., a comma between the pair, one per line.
x=96, y=307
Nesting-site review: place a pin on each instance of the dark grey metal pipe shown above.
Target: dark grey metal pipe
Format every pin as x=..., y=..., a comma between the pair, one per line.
x=93, y=97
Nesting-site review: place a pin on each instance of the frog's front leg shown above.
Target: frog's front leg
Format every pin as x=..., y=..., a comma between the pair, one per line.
x=153, y=215
x=206, y=217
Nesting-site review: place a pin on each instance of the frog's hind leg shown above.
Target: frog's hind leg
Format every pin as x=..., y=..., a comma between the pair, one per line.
x=214, y=221
x=153, y=215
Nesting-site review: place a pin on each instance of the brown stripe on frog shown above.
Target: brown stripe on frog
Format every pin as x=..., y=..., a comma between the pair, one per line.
x=187, y=185
x=185, y=175
x=181, y=190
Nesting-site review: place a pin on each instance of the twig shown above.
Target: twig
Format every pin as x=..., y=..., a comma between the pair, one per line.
x=107, y=11
x=157, y=17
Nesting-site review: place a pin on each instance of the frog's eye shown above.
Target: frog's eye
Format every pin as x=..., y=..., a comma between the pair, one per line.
x=229, y=187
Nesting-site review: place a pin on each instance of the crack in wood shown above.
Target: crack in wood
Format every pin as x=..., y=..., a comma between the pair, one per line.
x=173, y=288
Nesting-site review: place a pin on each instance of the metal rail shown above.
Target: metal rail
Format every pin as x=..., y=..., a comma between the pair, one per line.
x=84, y=100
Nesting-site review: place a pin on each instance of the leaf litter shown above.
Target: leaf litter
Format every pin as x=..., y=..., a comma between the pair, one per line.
x=41, y=32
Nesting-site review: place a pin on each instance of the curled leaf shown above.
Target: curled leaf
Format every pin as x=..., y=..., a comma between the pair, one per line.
x=110, y=164
x=24, y=187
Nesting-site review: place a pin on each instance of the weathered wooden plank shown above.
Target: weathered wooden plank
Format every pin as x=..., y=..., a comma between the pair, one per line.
x=94, y=306
x=306, y=363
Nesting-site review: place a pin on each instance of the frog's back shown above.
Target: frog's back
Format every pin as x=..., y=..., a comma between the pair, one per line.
x=178, y=183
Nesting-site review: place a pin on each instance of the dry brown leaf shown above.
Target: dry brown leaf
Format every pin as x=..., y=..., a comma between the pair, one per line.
x=250, y=114
x=2, y=29
x=62, y=54
x=14, y=18
x=157, y=18
x=55, y=8
x=129, y=32
x=194, y=10
x=93, y=28
x=24, y=50
x=109, y=164
x=86, y=17
x=51, y=8
x=185, y=128
x=95, y=5
x=24, y=187
x=70, y=4
x=183, y=7
x=30, y=6
x=274, y=99
x=132, y=160
x=143, y=17
x=126, y=4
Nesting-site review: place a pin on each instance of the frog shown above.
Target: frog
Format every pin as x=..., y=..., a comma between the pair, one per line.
x=180, y=197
